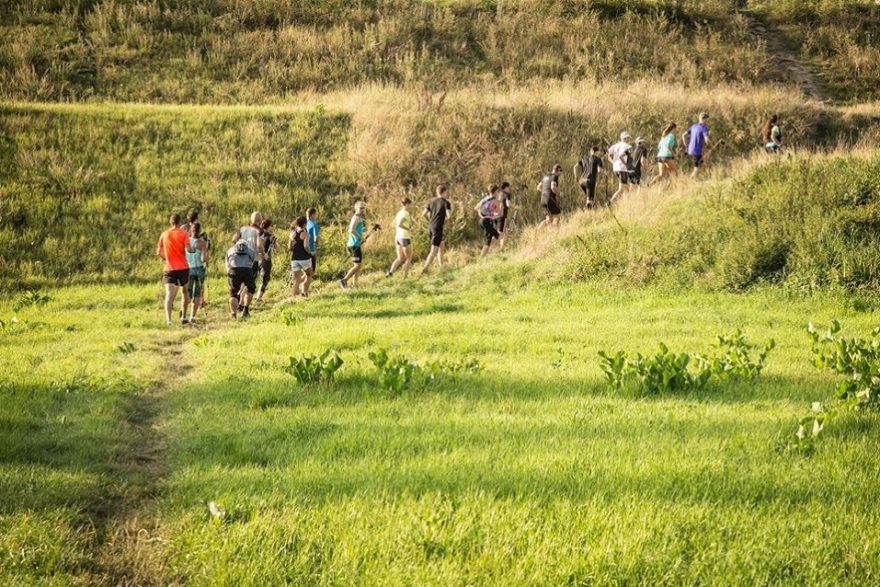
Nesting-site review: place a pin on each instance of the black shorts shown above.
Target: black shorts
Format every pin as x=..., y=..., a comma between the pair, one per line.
x=357, y=256
x=265, y=274
x=635, y=178
x=501, y=224
x=238, y=277
x=436, y=234
x=552, y=208
x=488, y=226
x=589, y=189
x=623, y=177
x=178, y=277
x=698, y=160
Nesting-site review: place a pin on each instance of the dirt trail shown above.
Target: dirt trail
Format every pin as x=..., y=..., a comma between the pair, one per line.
x=125, y=529
x=785, y=60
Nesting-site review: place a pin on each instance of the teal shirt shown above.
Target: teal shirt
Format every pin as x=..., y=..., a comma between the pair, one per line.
x=666, y=145
x=355, y=241
x=194, y=259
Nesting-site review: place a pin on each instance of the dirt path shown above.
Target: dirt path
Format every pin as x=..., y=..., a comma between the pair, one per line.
x=784, y=59
x=126, y=532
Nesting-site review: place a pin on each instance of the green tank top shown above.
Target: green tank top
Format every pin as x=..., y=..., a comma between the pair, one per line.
x=194, y=259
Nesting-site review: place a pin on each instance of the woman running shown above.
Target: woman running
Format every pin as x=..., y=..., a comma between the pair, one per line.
x=356, y=240
x=772, y=135
x=197, y=260
x=300, y=258
x=403, y=222
x=666, y=153
x=489, y=211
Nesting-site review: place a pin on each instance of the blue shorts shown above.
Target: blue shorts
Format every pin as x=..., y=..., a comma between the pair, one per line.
x=196, y=284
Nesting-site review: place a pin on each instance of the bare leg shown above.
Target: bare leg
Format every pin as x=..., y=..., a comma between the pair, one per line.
x=440, y=251
x=170, y=294
x=407, y=263
x=401, y=255
x=233, y=305
x=297, y=281
x=307, y=282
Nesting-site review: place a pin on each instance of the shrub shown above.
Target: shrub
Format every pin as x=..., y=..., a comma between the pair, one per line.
x=309, y=369
x=30, y=297
x=734, y=359
x=395, y=373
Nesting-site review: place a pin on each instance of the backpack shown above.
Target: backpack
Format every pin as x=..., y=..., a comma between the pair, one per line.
x=547, y=188
x=487, y=209
x=241, y=248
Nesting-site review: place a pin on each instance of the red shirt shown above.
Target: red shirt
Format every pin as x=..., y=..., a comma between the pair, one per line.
x=172, y=248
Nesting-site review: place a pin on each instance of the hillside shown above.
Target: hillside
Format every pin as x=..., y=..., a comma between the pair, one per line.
x=231, y=52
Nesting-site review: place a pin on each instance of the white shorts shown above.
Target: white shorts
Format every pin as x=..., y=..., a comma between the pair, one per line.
x=301, y=265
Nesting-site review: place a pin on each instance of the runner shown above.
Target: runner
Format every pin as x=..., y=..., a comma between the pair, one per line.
x=250, y=233
x=268, y=241
x=506, y=207
x=240, y=273
x=197, y=260
x=697, y=139
x=300, y=258
x=619, y=154
x=666, y=153
x=172, y=248
x=403, y=222
x=639, y=154
x=549, y=188
x=586, y=172
x=437, y=211
x=356, y=240
x=772, y=135
x=488, y=211
x=314, y=230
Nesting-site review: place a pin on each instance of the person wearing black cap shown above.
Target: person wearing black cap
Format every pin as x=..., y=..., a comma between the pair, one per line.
x=549, y=189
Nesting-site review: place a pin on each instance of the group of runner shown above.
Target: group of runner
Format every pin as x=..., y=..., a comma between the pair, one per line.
x=185, y=248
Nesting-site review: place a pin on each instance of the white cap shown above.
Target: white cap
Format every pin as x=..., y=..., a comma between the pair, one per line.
x=624, y=135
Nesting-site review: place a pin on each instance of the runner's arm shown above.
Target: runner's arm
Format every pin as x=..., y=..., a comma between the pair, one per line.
x=203, y=248
x=578, y=170
x=159, y=250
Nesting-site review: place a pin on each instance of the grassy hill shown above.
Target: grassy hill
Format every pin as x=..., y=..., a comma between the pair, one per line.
x=231, y=52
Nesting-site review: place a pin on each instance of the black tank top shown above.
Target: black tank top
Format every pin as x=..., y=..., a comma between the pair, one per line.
x=298, y=250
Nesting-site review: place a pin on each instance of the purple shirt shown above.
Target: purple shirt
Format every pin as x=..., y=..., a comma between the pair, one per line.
x=698, y=133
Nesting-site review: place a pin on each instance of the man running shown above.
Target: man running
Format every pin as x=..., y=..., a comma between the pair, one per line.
x=619, y=154
x=403, y=224
x=488, y=211
x=639, y=154
x=506, y=206
x=437, y=211
x=586, y=172
x=172, y=248
x=314, y=230
x=198, y=260
x=240, y=273
x=697, y=140
x=549, y=188
x=267, y=240
x=250, y=234
x=356, y=240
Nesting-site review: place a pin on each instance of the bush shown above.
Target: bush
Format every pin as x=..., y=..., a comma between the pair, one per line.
x=395, y=372
x=309, y=369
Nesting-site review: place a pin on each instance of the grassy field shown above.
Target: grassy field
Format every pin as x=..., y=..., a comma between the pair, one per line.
x=117, y=435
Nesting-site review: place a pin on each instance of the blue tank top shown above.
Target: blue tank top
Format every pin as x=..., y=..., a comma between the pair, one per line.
x=355, y=241
x=194, y=259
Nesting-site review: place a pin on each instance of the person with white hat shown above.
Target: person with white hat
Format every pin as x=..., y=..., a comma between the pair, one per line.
x=620, y=154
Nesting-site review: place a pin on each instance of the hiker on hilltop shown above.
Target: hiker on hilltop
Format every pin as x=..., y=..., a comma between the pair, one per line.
x=172, y=248
x=300, y=258
x=356, y=240
x=403, y=223
x=268, y=241
x=314, y=230
x=437, y=211
x=250, y=234
x=240, y=262
x=586, y=172
x=549, y=189
x=197, y=260
x=489, y=211
x=772, y=135
x=503, y=222
x=666, y=153
x=639, y=154
x=620, y=154
x=697, y=140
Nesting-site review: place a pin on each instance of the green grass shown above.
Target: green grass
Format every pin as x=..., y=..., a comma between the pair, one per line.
x=530, y=471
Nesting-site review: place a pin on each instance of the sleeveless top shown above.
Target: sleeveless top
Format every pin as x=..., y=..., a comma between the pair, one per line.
x=195, y=258
x=298, y=250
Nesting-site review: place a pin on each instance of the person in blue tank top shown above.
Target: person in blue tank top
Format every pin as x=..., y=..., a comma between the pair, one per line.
x=356, y=239
x=197, y=260
x=666, y=153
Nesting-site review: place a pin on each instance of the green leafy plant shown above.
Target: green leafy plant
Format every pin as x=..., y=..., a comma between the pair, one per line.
x=735, y=358
x=289, y=318
x=395, y=372
x=858, y=361
x=30, y=297
x=201, y=341
x=16, y=326
x=315, y=369
x=663, y=372
x=126, y=348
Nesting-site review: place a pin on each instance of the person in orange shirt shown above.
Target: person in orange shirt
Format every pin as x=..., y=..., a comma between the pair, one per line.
x=173, y=247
